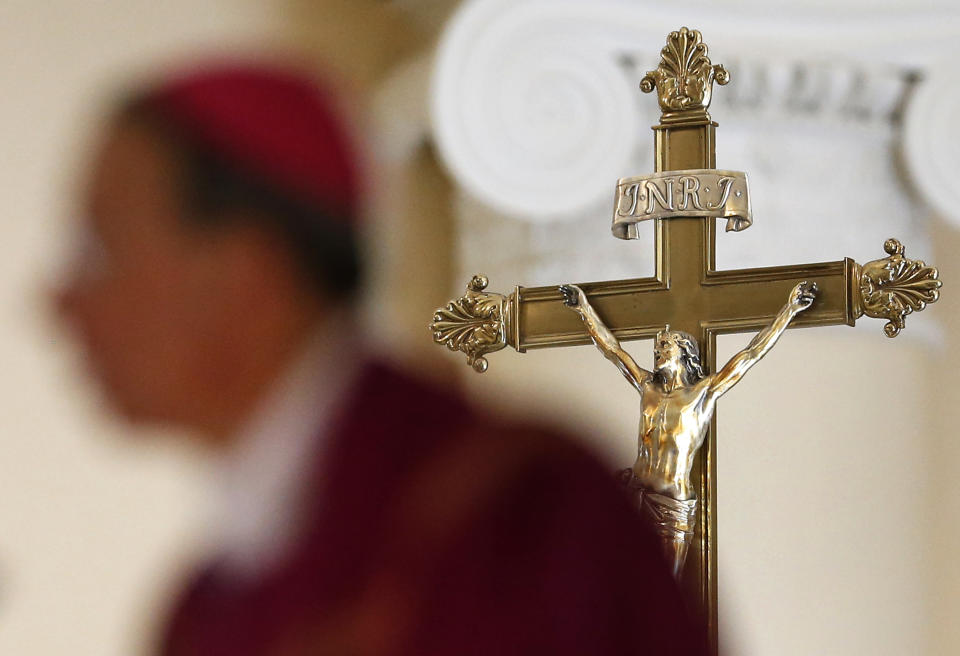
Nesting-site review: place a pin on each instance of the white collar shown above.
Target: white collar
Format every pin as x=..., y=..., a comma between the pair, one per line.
x=264, y=473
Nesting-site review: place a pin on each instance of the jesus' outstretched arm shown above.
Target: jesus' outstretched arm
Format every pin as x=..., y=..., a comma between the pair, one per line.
x=801, y=298
x=575, y=299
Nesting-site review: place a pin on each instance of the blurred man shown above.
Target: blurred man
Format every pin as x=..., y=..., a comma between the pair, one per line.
x=366, y=512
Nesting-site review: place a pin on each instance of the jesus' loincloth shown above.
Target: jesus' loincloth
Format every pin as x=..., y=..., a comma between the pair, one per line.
x=672, y=519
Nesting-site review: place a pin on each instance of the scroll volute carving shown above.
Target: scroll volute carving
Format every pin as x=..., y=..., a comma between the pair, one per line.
x=475, y=323
x=896, y=286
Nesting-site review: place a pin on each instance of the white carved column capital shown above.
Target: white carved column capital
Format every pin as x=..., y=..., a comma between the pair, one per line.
x=535, y=107
x=530, y=109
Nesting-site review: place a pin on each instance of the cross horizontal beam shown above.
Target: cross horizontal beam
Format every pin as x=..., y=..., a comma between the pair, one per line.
x=724, y=302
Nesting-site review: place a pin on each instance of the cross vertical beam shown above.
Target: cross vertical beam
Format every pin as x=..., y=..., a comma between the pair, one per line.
x=689, y=252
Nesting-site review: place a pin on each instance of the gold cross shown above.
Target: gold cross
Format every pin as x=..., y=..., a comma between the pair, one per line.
x=687, y=291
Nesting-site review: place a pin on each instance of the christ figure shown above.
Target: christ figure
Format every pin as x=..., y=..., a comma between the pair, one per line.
x=677, y=400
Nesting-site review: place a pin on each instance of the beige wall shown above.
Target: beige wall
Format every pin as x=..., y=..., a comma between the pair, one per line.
x=942, y=537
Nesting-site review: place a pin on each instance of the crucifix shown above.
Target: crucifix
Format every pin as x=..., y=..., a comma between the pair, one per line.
x=684, y=306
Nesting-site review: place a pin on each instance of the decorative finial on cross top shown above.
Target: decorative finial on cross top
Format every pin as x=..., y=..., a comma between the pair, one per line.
x=684, y=80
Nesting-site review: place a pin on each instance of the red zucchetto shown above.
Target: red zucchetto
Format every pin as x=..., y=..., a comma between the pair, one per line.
x=278, y=125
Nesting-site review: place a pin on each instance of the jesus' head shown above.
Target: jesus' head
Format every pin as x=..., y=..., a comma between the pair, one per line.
x=675, y=350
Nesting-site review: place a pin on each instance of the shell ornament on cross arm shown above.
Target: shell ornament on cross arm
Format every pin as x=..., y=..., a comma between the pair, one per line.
x=475, y=323
x=895, y=286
